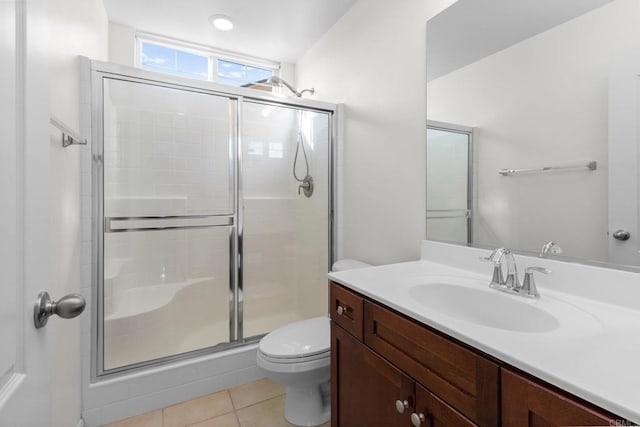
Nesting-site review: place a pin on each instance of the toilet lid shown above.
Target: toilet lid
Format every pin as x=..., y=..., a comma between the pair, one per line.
x=300, y=339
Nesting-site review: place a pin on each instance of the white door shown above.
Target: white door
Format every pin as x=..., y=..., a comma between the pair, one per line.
x=24, y=385
x=624, y=119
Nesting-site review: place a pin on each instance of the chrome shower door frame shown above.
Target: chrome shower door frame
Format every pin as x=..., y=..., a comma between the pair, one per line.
x=102, y=223
x=100, y=71
x=472, y=199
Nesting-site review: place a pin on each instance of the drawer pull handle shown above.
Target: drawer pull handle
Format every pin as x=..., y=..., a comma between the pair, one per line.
x=401, y=405
x=417, y=419
x=342, y=309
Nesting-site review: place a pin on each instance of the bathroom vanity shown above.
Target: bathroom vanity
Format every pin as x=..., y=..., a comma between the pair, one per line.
x=395, y=365
x=390, y=370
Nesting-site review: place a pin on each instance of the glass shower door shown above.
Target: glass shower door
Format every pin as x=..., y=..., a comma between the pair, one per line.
x=168, y=232
x=285, y=234
x=449, y=200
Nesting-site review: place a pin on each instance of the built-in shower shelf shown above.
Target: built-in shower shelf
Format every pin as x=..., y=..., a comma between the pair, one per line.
x=145, y=299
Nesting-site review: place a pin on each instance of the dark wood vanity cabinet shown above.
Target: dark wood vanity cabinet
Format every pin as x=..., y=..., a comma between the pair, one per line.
x=386, y=369
x=366, y=390
x=448, y=385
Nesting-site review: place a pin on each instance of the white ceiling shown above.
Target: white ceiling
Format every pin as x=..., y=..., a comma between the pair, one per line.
x=279, y=30
x=470, y=30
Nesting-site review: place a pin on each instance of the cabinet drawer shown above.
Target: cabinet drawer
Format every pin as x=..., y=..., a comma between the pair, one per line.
x=345, y=309
x=465, y=380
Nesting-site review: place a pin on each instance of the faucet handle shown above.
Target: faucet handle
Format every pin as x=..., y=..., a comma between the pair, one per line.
x=495, y=253
x=529, y=283
x=550, y=248
x=495, y=257
x=530, y=270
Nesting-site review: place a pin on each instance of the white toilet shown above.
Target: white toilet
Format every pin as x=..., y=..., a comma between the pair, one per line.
x=298, y=356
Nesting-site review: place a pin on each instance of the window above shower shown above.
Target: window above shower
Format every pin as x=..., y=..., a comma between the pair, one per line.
x=198, y=62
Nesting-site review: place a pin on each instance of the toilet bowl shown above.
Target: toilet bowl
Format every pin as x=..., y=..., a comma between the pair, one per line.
x=297, y=356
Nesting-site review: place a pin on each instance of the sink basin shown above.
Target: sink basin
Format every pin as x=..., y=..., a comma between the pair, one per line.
x=485, y=307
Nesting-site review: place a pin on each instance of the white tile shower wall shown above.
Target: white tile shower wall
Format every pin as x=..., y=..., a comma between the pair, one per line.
x=159, y=163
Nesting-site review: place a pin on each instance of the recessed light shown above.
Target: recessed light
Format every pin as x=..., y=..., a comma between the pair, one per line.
x=221, y=22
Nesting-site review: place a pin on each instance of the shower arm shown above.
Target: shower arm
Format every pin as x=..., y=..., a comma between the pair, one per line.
x=277, y=81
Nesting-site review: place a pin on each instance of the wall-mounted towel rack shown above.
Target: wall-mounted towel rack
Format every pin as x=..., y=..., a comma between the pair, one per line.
x=506, y=172
x=69, y=137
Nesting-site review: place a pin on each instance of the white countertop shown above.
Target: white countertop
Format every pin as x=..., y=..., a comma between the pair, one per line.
x=594, y=352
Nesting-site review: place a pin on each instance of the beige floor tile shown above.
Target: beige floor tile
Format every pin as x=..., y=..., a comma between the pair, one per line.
x=227, y=420
x=150, y=419
x=265, y=414
x=193, y=411
x=255, y=392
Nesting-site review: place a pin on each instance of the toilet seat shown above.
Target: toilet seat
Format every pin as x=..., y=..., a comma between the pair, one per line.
x=298, y=342
x=284, y=360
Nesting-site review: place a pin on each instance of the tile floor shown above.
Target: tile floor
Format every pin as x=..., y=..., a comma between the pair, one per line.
x=257, y=404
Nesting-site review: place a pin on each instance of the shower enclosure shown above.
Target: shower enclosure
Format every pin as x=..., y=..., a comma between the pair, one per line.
x=204, y=238
x=450, y=202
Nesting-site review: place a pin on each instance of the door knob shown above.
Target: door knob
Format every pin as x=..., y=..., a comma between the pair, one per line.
x=621, y=235
x=67, y=307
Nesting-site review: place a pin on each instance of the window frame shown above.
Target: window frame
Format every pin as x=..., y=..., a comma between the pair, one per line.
x=212, y=54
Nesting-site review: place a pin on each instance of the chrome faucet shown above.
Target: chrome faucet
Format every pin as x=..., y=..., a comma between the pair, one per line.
x=496, y=259
x=511, y=280
x=511, y=283
x=550, y=248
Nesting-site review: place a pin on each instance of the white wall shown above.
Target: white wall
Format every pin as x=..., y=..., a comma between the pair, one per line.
x=373, y=61
x=542, y=102
x=76, y=27
x=122, y=44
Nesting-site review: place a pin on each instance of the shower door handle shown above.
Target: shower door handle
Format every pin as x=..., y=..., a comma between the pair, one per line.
x=67, y=307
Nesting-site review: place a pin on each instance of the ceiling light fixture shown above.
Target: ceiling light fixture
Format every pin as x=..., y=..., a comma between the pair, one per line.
x=221, y=22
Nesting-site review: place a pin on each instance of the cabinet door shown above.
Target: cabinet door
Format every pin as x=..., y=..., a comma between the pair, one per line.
x=364, y=387
x=433, y=412
x=466, y=380
x=526, y=403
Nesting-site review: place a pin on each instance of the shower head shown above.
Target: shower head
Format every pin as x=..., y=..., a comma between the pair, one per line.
x=277, y=81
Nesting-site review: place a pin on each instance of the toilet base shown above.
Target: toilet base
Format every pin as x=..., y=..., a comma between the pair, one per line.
x=308, y=406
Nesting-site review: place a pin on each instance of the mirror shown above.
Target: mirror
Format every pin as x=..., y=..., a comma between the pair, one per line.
x=532, y=87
